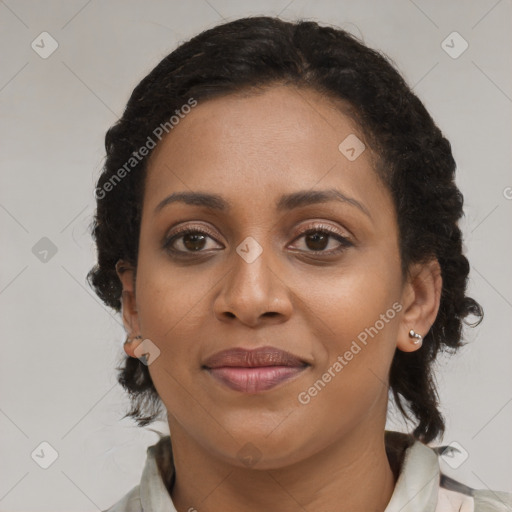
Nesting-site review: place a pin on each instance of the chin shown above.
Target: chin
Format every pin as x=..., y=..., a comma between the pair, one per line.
x=264, y=450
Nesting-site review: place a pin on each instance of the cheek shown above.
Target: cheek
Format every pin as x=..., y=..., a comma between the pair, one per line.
x=358, y=340
x=347, y=301
x=356, y=319
x=170, y=298
x=172, y=308
x=175, y=312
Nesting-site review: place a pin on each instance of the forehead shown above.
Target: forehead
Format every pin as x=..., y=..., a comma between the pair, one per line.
x=256, y=147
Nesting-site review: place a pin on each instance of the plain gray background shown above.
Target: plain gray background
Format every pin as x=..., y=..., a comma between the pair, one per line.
x=60, y=345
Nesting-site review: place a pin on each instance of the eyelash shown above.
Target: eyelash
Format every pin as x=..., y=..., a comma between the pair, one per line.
x=344, y=242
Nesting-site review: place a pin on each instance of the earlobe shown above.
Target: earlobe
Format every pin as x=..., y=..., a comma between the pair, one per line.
x=131, y=345
x=423, y=296
x=414, y=342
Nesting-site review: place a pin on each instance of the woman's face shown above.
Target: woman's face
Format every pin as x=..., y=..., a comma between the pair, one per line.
x=251, y=278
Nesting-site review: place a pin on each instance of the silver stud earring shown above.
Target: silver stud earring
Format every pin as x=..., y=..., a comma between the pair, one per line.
x=417, y=337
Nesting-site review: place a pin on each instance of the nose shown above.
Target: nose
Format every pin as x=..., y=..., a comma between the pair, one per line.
x=253, y=293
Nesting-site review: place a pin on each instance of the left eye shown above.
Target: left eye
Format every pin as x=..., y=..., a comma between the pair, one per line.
x=318, y=239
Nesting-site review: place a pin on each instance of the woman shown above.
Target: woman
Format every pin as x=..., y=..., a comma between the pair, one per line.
x=277, y=220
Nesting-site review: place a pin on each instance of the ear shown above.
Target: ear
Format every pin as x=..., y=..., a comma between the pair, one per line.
x=421, y=299
x=126, y=273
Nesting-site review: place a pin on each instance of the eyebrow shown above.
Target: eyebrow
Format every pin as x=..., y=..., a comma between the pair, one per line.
x=286, y=202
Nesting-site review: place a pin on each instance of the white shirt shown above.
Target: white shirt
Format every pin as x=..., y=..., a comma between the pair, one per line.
x=420, y=487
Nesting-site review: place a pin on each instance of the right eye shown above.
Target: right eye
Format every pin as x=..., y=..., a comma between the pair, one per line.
x=191, y=239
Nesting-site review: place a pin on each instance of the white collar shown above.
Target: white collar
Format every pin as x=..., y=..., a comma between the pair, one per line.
x=418, y=482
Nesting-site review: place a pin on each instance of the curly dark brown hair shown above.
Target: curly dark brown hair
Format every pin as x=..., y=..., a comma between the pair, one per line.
x=415, y=163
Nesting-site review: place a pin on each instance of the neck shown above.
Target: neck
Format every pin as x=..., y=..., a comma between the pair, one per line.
x=336, y=478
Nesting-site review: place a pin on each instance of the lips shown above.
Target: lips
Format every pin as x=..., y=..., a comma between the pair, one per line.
x=242, y=358
x=253, y=371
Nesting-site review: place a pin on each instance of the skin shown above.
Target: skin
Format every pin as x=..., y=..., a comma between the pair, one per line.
x=326, y=454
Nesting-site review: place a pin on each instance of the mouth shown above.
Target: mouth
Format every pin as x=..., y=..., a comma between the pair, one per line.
x=253, y=371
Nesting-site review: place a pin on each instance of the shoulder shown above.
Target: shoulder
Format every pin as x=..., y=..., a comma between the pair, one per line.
x=422, y=484
x=151, y=493
x=457, y=496
x=130, y=502
x=487, y=500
